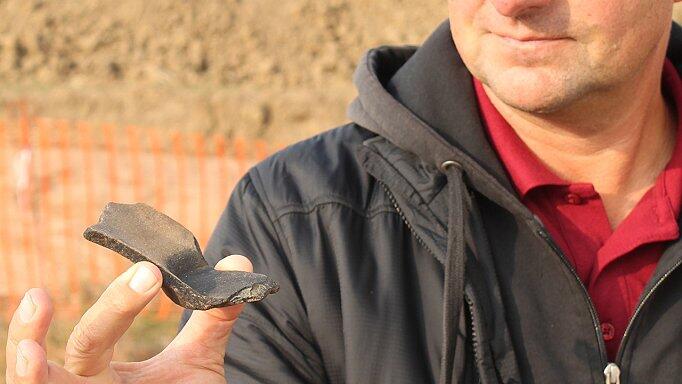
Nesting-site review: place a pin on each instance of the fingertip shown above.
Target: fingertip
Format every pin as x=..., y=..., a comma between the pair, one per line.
x=235, y=263
x=35, y=291
x=40, y=298
x=145, y=277
x=35, y=310
x=151, y=267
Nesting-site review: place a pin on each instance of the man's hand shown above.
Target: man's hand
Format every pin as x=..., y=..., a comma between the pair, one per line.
x=194, y=356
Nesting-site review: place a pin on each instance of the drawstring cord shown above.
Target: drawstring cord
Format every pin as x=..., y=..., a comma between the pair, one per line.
x=454, y=268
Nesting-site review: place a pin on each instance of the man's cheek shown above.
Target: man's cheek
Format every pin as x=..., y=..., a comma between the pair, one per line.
x=463, y=14
x=471, y=49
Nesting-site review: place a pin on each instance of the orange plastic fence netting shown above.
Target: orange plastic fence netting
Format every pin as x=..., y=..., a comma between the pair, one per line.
x=56, y=175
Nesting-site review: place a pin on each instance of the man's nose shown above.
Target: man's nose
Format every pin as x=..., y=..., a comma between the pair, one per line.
x=517, y=8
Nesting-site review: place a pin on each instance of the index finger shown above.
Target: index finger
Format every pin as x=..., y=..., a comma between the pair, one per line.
x=91, y=345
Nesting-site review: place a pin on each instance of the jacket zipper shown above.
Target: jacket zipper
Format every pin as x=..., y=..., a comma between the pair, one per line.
x=593, y=312
x=611, y=370
x=474, y=332
x=612, y=374
x=407, y=223
x=470, y=304
x=541, y=231
x=641, y=304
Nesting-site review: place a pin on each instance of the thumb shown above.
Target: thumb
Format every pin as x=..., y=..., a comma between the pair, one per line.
x=210, y=329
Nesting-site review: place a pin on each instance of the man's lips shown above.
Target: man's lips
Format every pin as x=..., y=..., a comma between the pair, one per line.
x=529, y=38
x=530, y=41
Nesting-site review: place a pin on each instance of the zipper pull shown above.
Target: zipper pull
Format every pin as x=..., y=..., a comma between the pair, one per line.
x=612, y=374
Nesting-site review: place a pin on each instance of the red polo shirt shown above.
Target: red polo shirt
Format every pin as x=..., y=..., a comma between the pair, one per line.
x=614, y=265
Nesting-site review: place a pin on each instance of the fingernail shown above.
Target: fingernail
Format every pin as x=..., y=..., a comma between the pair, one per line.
x=26, y=308
x=143, y=279
x=22, y=363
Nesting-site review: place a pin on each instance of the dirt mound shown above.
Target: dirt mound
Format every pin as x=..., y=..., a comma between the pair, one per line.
x=256, y=67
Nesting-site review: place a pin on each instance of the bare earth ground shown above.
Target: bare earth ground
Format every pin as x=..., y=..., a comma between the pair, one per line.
x=257, y=67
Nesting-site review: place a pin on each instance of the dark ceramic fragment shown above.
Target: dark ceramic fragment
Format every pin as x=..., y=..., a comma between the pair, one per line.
x=141, y=233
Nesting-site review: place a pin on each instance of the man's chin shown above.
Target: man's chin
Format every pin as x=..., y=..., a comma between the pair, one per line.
x=538, y=95
x=534, y=105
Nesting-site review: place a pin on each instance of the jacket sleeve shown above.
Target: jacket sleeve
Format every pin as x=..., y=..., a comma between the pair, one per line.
x=271, y=341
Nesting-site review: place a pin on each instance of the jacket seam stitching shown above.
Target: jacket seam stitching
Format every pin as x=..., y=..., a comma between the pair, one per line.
x=308, y=208
x=321, y=199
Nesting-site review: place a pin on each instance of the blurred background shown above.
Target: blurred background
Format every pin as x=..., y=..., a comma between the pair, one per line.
x=166, y=102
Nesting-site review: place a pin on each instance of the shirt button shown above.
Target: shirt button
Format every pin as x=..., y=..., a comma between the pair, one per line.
x=608, y=330
x=573, y=198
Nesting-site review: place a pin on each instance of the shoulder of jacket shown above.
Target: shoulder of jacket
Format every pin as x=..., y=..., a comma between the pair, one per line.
x=323, y=169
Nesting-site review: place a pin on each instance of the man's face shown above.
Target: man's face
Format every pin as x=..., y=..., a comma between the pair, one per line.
x=541, y=56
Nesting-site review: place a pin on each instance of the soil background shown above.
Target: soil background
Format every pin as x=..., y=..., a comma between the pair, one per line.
x=257, y=68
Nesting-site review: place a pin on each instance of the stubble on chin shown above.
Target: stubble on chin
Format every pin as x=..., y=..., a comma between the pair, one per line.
x=541, y=94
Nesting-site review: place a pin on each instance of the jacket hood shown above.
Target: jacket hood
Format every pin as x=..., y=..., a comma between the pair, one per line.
x=422, y=100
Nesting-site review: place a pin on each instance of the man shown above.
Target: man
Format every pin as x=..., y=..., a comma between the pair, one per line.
x=515, y=226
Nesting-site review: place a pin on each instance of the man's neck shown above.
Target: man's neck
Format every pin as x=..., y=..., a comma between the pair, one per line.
x=619, y=142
